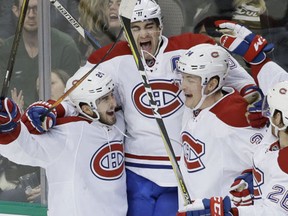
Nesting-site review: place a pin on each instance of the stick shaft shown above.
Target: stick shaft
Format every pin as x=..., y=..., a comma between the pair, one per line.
x=14, y=48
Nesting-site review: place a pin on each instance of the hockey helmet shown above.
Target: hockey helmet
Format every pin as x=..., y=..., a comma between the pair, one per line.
x=277, y=99
x=206, y=61
x=145, y=10
x=95, y=86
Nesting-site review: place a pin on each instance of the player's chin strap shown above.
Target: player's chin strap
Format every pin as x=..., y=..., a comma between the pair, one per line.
x=204, y=96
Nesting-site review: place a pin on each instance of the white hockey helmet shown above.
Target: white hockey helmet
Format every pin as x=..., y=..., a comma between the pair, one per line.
x=145, y=10
x=206, y=61
x=95, y=86
x=277, y=99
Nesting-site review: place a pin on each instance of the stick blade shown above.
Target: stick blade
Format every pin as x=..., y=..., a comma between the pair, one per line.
x=126, y=8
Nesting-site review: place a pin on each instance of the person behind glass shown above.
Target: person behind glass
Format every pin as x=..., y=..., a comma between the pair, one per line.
x=10, y=186
x=59, y=79
x=83, y=155
x=100, y=18
x=147, y=162
x=64, y=53
x=58, y=83
x=8, y=21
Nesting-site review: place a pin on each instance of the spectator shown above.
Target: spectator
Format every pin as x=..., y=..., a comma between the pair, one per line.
x=58, y=82
x=64, y=53
x=100, y=18
x=8, y=21
x=59, y=79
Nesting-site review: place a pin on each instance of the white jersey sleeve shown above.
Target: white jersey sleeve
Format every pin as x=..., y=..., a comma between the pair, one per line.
x=270, y=74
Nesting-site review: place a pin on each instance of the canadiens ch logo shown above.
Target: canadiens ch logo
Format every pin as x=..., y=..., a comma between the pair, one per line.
x=193, y=151
x=258, y=181
x=166, y=94
x=108, y=162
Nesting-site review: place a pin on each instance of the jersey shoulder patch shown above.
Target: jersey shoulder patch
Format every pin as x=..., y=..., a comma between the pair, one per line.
x=231, y=110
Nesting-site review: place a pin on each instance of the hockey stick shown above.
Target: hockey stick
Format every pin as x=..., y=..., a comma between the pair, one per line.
x=85, y=34
x=125, y=13
x=14, y=48
x=59, y=100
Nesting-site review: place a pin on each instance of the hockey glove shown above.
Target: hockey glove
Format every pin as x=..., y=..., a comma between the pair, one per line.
x=242, y=41
x=242, y=189
x=254, y=109
x=31, y=117
x=9, y=115
x=215, y=206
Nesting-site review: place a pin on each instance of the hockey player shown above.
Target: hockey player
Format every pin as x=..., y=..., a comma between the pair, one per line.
x=210, y=163
x=152, y=186
x=83, y=155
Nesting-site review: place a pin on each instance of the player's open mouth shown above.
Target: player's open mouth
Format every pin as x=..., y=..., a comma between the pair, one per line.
x=188, y=95
x=145, y=45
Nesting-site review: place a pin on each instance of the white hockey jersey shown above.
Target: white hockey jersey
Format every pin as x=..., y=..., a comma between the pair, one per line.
x=84, y=164
x=217, y=145
x=145, y=153
x=270, y=172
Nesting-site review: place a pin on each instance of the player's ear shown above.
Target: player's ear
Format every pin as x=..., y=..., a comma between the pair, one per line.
x=87, y=109
x=212, y=84
x=278, y=119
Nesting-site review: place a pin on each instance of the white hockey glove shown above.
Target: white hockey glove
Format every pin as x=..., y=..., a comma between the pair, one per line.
x=242, y=41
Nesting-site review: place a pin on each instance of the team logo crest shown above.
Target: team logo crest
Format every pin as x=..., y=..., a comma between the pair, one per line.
x=166, y=94
x=193, y=151
x=256, y=138
x=108, y=162
x=258, y=181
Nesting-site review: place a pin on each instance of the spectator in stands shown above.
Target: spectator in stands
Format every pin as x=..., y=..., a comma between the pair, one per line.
x=8, y=21
x=58, y=83
x=64, y=53
x=59, y=79
x=100, y=18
